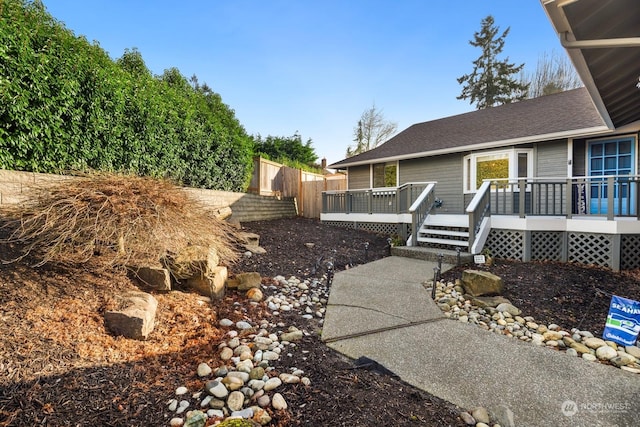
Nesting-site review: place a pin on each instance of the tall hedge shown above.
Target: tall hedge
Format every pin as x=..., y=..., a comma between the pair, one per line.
x=66, y=105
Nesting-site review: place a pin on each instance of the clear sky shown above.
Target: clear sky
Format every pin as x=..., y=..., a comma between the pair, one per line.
x=314, y=66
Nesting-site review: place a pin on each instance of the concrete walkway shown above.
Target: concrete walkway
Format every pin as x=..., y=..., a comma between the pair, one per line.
x=382, y=310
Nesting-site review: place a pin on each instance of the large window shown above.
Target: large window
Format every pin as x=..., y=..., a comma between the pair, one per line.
x=385, y=175
x=499, y=165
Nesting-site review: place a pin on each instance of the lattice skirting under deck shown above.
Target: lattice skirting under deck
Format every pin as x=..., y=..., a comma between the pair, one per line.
x=630, y=250
x=547, y=245
x=506, y=244
x=376, y=227
x=606, y=250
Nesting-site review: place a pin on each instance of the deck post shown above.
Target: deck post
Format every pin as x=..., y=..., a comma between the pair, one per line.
x=522, y=186
x=569, y=206
x=611, y=191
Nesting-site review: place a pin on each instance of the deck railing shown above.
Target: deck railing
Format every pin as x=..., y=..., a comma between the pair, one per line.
x=420, y=209
x=387, y=200
x=478, y=210
x=609, y=196
x=603, y=196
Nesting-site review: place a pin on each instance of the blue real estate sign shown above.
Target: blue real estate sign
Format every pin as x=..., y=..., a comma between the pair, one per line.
x=623, y=321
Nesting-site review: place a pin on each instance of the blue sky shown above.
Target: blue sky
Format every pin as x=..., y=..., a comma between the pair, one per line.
x=313, y=66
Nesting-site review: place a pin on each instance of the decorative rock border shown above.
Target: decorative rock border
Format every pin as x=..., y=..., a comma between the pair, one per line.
x=498, y=315
x=248, y=382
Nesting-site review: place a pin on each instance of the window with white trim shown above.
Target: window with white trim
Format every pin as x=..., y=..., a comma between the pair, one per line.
x=500, y=165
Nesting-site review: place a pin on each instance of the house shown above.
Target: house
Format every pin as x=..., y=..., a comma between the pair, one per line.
x=551, y=178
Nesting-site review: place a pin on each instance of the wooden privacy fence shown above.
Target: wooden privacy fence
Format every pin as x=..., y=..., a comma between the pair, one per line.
x=274, y=179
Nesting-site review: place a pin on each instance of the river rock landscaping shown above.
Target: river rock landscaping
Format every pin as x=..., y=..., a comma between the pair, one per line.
x=498, y=315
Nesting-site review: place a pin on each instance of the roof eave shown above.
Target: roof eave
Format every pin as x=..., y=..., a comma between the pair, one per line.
x=592, y=131
x=555, y=13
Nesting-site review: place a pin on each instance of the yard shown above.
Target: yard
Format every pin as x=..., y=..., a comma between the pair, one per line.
x=59, y=366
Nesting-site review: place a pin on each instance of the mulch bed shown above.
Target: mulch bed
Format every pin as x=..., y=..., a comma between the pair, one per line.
x=59, y=366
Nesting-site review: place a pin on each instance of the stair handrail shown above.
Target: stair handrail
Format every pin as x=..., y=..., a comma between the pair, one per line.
x=420, y=209
x=478, y=210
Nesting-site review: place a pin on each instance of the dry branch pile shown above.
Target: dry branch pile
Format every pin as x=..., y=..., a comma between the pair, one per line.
x=118, y=220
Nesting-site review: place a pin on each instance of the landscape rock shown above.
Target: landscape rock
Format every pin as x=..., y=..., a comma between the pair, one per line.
x=204, y=370
x=156, y=278
x=250, y=239
x=134, y=316
x=293, y=335
x=278, y=402
x=492, y=301
x=192, y=261
x=622, y=360
x=509, y=308
x=594, y=343
x=196, y=419
x=247, y=281
x=606, y=353
x=481, y=415
x=633, y=350
x=257, y=250
x=235, y=401
x=255, y=294
x=480, y=283
x=212, y=285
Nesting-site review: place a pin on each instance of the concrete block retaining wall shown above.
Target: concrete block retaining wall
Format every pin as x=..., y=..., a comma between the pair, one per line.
x=245, y=207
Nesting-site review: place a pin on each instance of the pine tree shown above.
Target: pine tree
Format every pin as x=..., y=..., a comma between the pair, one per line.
x=492, y=82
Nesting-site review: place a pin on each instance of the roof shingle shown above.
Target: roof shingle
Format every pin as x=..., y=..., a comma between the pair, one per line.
x=561, y=112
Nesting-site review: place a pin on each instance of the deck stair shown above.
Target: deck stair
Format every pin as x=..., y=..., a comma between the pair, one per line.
x=445, y=231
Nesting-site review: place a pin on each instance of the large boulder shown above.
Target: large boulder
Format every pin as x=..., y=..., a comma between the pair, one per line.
x=134, y=315
x=211, y=285
x=478, y=283
x=192, y=261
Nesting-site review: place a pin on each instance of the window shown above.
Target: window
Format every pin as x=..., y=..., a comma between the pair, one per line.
x=384, y=174
x=500, y=165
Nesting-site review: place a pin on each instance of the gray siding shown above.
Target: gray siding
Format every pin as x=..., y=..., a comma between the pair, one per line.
x=551, y=159
x=359, y=177
x=446, y=170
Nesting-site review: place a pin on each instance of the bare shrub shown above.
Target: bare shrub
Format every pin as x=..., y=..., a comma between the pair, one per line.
x=118, y=220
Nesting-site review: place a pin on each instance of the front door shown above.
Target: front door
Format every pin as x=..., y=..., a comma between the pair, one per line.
x=612, y=157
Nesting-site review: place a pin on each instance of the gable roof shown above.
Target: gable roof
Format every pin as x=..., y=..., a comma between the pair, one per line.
x=561, y=115
x=602, y=38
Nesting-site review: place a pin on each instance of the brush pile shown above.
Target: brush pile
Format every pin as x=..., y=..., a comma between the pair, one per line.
x=116, y=220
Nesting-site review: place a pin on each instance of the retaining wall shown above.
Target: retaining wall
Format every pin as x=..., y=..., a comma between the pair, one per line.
x=14, y=186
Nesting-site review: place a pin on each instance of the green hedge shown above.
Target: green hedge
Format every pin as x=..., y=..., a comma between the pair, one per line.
x=65, y=105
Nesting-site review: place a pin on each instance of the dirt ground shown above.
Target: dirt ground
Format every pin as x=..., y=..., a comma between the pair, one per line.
x=59, y=366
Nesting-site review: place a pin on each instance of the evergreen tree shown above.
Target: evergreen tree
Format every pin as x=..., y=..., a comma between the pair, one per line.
x=492, y=81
